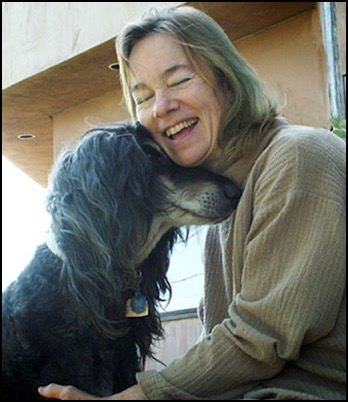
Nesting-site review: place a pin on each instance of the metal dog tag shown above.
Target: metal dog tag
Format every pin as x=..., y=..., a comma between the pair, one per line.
x=137, y=306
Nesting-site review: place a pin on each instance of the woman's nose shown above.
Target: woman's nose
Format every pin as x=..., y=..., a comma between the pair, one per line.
x=164, y=104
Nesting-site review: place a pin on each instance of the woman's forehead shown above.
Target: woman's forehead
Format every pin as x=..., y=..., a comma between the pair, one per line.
x=157, y=56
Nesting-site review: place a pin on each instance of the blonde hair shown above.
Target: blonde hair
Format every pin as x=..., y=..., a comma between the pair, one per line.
x=248, y=113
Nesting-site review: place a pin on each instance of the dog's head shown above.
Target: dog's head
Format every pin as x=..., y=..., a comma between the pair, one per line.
x=112, y=199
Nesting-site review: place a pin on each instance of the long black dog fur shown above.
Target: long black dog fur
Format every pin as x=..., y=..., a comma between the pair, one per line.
x=63, y=320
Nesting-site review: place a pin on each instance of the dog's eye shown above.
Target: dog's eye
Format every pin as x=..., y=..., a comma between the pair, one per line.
x=158, y=158
x=153, y=154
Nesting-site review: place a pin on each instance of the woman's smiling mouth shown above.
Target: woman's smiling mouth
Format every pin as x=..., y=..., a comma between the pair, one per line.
x=172, y=131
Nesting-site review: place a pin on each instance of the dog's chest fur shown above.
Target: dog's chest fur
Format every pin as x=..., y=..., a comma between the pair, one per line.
x=50, y=338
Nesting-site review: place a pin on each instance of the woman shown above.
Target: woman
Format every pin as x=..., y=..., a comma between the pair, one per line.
x=274, y=305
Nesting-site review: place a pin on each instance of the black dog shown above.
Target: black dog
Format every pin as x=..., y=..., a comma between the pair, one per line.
x=83, y=312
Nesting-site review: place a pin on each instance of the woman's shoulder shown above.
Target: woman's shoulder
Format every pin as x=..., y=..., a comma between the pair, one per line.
x=307, y=144
x=308, y=137
x=304, y=158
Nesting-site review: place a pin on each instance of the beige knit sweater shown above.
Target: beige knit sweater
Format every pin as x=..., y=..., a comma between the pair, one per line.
x=274, y=310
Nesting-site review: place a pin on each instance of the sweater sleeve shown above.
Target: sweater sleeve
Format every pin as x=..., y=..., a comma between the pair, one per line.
x=292, y=281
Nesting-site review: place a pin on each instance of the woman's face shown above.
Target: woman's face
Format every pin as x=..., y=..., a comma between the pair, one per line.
x=174, y=103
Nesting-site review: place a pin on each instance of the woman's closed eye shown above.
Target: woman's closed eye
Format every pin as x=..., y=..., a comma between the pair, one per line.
x=180, y=81
x=143, y=99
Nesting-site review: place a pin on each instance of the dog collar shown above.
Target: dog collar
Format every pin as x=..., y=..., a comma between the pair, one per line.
x=53, y=245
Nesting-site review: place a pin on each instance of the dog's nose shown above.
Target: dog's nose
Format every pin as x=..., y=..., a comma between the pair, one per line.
x=232, y=192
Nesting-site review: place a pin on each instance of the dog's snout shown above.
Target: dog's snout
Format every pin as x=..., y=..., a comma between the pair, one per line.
x=232, y=192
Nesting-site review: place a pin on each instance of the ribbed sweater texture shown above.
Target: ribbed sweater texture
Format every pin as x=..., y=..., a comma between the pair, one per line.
x=274, y=300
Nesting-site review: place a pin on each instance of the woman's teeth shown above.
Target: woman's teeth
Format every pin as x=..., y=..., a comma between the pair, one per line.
x=174, y=130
